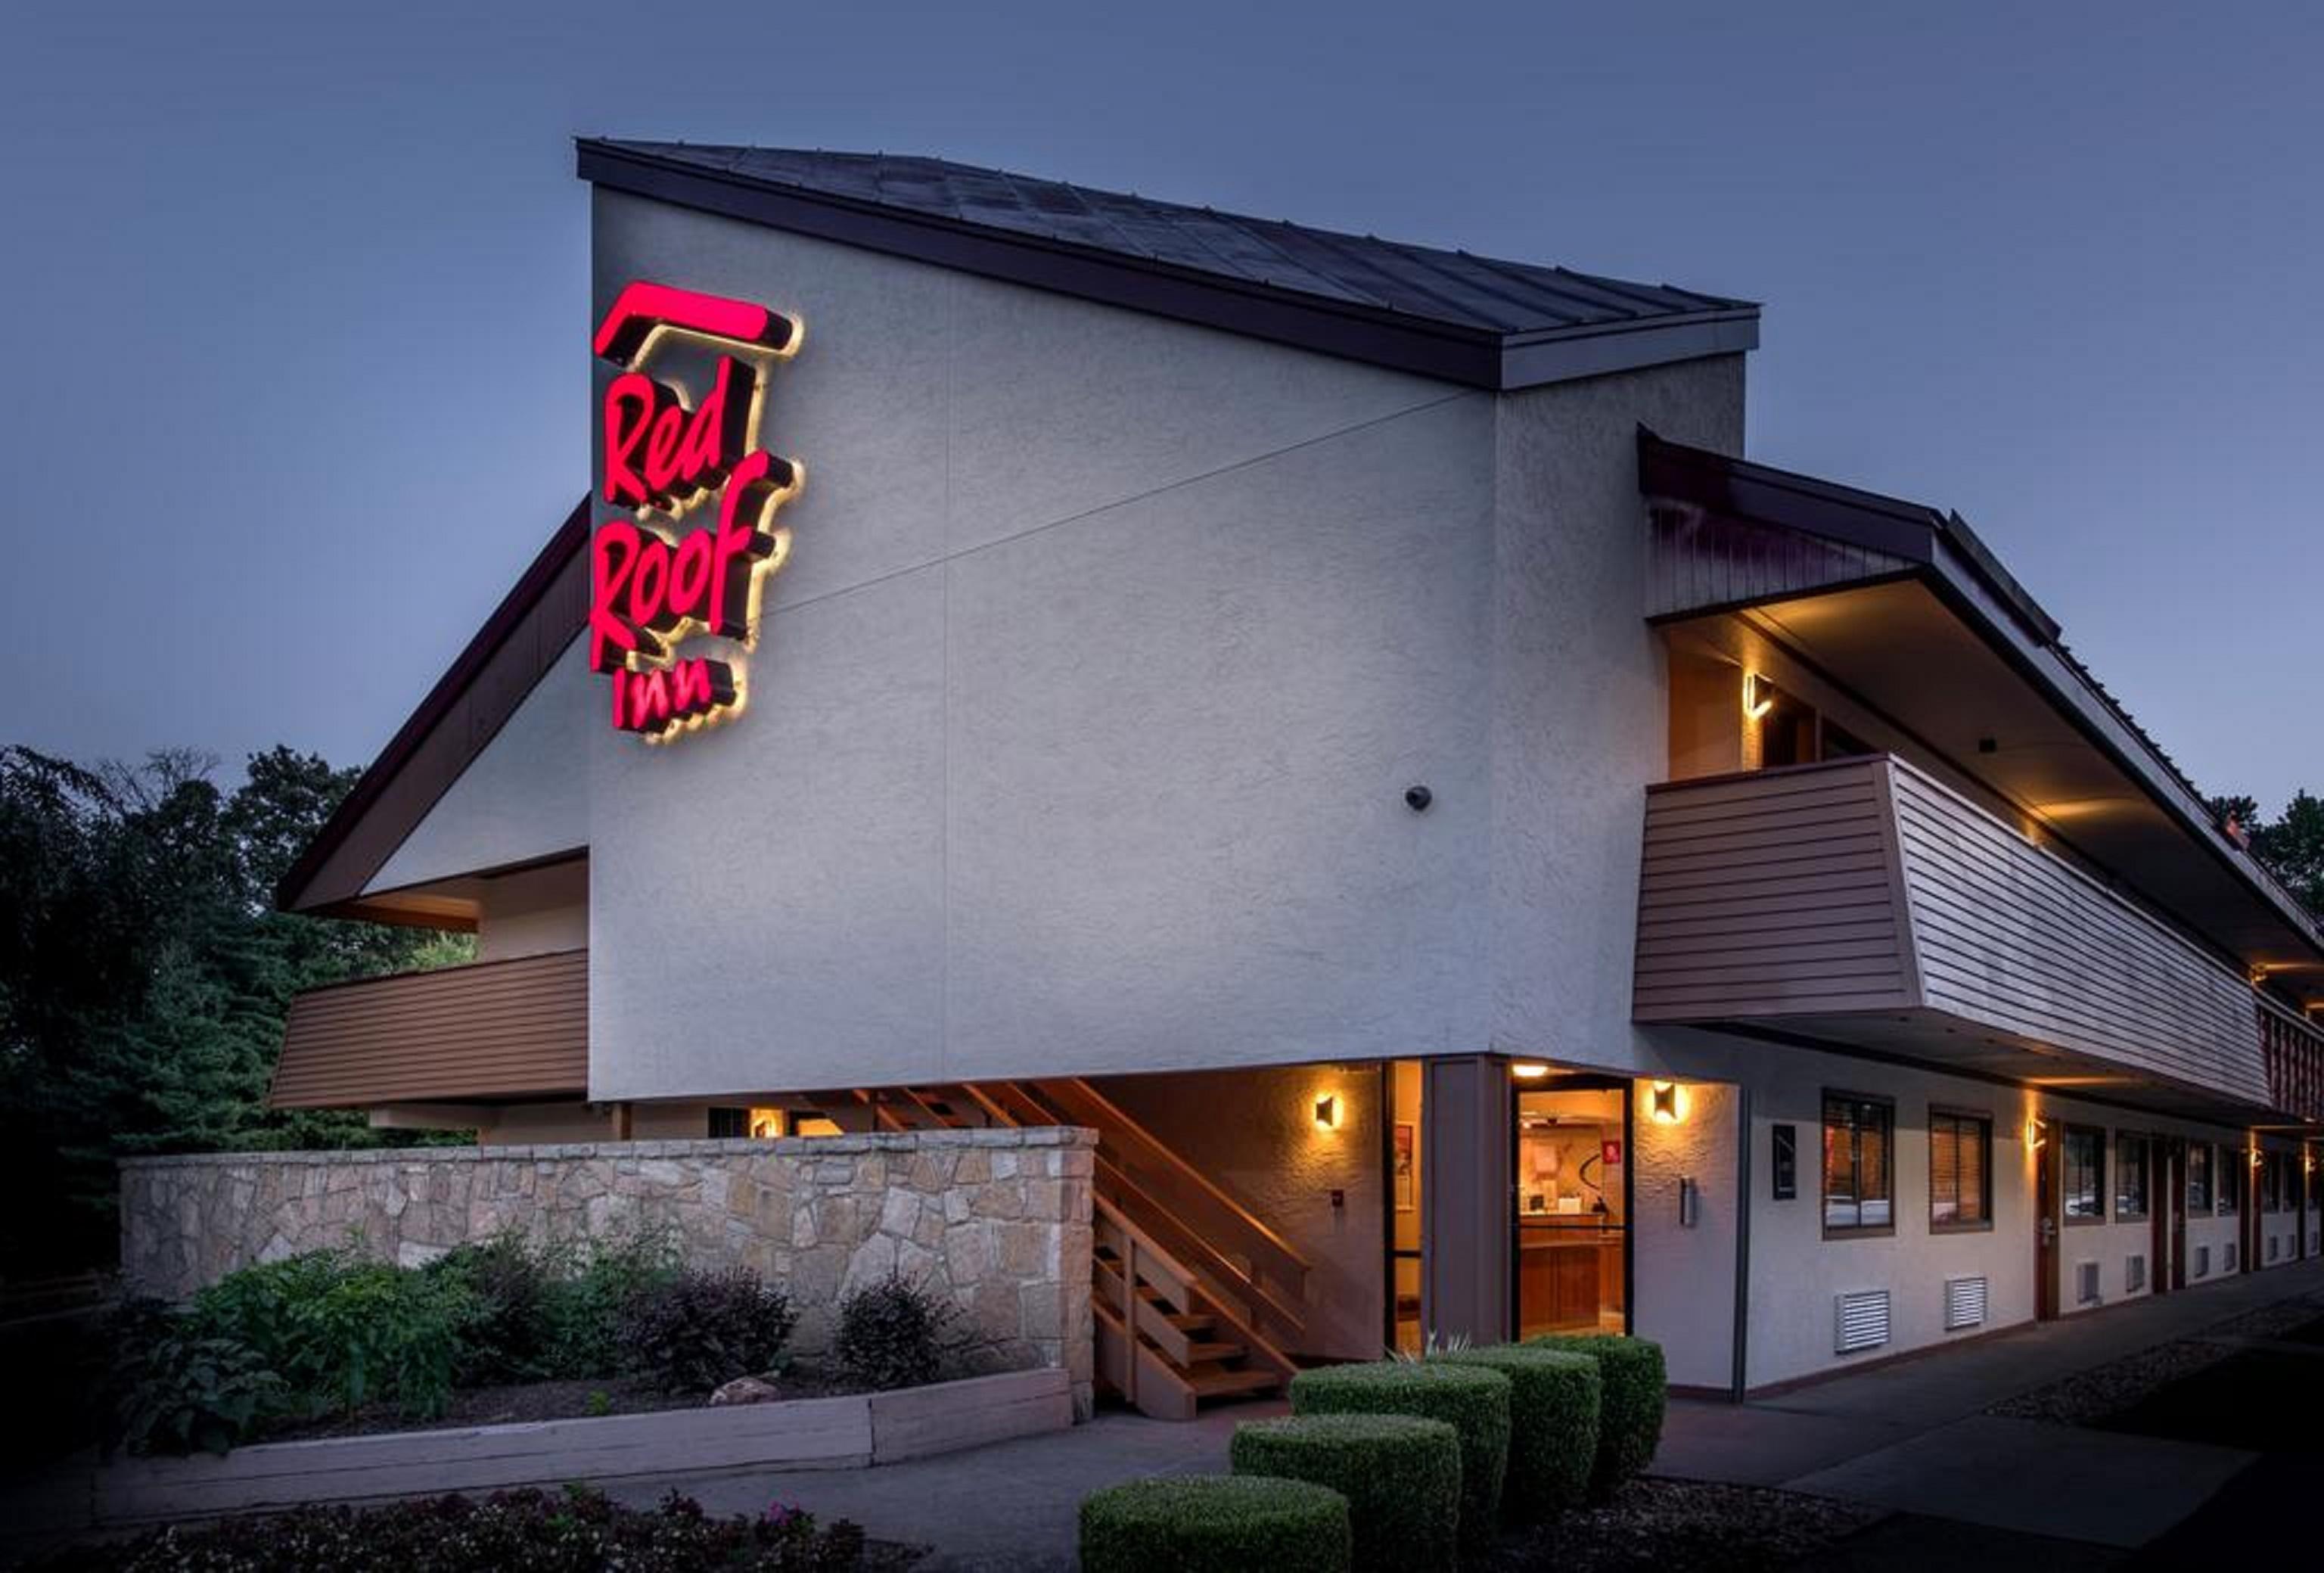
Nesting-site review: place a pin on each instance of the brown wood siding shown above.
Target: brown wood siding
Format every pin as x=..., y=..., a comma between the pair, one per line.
x=2011, y=938
x=496, y=1030
x=1697, y=560
x=1770, y=894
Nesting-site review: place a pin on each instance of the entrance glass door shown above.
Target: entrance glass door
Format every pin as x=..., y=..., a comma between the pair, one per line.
x=1571, y=1223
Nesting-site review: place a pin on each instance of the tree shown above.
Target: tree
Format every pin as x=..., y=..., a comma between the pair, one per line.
x=2291, y=848
x=145, y=975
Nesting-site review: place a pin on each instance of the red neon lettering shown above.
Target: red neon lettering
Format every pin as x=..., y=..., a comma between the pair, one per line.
x=643, y=307
x=684, y=454
x=653, y=701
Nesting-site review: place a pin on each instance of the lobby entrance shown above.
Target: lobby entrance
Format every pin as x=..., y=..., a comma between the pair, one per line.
x=1571, y=1203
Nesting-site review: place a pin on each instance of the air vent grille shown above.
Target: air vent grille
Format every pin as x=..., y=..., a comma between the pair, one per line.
x=2202, y=1262
x=2227, y=1259
x=2085, y=1283
x=1964, y=1303
x=2273, y=1245
x=1860, y=1320
x=2134, y=1274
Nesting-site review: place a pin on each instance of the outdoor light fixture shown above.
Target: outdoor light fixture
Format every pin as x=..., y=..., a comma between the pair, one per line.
x=2036, y=1133
x=1666, y=1110
x=1528, y=1070
x=1757, y=700
x=1327, y=1112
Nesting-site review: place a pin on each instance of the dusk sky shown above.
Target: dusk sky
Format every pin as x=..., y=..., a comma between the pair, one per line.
x=299, y=292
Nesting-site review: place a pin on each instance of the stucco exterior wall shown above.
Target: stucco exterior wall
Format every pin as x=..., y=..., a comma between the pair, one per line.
x=1682, y=1277
x=524, y=797
x=1797, y=1273
x=1253, y=1135
x=1580, y=708
x=998, y=1220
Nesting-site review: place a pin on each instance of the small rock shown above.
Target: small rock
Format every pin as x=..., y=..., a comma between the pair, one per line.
x=746, y=1389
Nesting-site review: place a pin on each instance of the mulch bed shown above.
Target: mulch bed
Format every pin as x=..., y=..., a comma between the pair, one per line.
x=2102, y=1394
x=535, y=1401
x=1670, y=1524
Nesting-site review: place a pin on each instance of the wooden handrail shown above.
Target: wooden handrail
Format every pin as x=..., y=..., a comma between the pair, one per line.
x=1226, y=1280
x=1144, y=1244
x=1110, y=1122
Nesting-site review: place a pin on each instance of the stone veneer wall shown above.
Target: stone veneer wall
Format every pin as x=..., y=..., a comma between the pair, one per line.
x=999, y=1219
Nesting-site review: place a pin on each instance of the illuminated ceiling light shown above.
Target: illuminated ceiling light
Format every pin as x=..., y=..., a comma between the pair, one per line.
x=1758, y=696
x=1666, y=1108
x=1528, y=1070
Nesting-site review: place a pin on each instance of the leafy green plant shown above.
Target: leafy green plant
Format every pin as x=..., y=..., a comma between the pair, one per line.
x=585, y=1293
x=698, y=1330
x=1215, y=1523
x=1632, y=1392
x=569, y=1531
x=1401, y=1475
x=598, y=1403
x=1553, y=1399
x=1474, y=1401
x=509, y=1329
x=894, y=1333
x=341, y=1333
x=176, y=1388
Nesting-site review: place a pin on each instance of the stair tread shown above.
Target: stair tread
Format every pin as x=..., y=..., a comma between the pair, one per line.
x=1197, y=1351
x=1225, y=1380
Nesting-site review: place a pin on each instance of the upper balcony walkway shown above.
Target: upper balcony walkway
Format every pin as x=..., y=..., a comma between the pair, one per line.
x=1863, y=903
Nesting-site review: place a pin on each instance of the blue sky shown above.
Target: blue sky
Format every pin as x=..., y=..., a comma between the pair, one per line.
x=299, y=291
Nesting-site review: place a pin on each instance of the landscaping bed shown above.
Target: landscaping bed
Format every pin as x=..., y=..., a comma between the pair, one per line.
x=2097, y=1396
x=509, y=1403
x=1659, y=1525
x=574, y=1529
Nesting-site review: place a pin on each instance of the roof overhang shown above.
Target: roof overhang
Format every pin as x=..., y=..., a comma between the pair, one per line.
x=1873, y=594
x=1449, y=352
x=478, y=693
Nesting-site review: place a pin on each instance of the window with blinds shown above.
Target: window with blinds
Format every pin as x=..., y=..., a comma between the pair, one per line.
x=2131, y=1158
x=1961, y=1169
x=2199, y=1177
x=2083, y=1182
x=1858, y=1140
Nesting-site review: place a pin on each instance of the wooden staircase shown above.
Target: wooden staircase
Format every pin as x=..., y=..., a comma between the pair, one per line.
x=1195, y=1298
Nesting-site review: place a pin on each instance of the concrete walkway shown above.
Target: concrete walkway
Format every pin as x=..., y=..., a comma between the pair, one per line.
x=1911, y=1437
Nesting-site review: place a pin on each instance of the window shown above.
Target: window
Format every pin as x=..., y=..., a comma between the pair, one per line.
x=2084, y=1186
x=1859, y=1135
x=2232, y=1164
x=1961, y=1154
x=2130, y=1161
x=728, y=1123
x=2199, y=1177
x=2271, y=1183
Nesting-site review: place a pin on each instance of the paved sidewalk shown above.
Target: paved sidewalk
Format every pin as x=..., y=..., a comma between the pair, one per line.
x=1913, y=1436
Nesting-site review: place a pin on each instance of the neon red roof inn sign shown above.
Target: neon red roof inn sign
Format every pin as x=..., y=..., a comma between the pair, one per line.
x=700, y=538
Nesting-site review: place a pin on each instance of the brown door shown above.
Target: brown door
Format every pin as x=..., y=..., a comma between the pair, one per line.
x=2046, y=1230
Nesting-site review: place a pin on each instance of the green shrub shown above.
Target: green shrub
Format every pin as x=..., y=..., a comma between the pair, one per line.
x=698, y=1330
x=1630, y=1399
x=892, y=1333
x=1401, y=1475
x=1474, y=1401
x=1215, y=1523
x=1553, y=1398
x=174, y=1388
x=509, y=1285
x=341, y=1332
x=588, y=1289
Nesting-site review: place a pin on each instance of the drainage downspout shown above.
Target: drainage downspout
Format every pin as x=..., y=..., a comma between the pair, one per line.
x=1742, y=1240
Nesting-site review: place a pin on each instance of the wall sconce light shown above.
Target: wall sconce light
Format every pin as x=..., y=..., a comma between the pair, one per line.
x=1665, y=1107
x=1327, y=1112
x=2257, y=1158
x=2037, y=1132
x=1528, y=1070
x=1758, y=697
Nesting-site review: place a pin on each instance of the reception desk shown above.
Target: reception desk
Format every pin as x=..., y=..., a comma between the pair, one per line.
x=1569, y=1275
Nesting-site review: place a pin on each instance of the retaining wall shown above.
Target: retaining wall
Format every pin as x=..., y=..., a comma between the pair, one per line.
x=997, y=1219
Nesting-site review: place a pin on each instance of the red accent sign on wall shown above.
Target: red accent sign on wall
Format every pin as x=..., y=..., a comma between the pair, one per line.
x=1610, y=1154
x=700, y=535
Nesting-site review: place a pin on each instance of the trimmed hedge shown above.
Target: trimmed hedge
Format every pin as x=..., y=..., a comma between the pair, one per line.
x=1553, y=1399
x=1401, y=1475
x=1631, y=1398
x=1474, y=1401
x=1215, y=1523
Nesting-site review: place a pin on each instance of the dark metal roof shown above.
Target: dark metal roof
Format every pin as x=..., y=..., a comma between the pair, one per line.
x=1448, y=314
